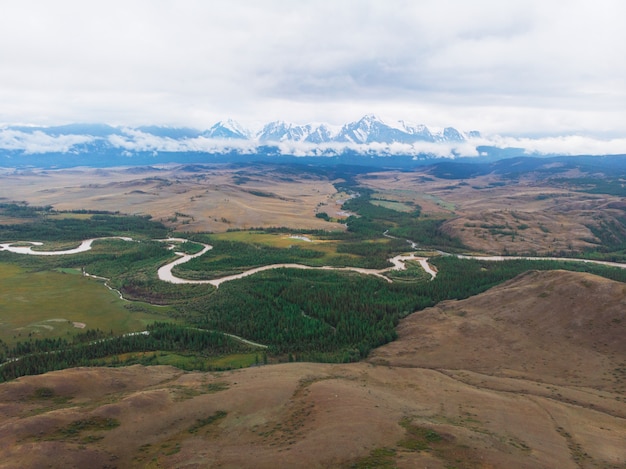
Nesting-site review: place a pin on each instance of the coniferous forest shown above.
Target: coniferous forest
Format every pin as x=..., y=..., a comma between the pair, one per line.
x=284, y=314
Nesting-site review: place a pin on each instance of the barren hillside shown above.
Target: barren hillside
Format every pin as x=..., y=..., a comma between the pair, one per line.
x=527, y=375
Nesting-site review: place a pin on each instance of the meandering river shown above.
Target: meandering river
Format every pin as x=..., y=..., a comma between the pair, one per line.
x=165, y=272
x=84, y=246
x=398, y=262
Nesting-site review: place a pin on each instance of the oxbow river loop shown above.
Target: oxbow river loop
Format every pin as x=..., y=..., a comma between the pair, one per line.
x=165, y=272
x=166, y=275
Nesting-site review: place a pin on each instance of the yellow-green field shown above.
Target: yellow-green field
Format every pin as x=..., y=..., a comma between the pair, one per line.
x=58, y=304
x=4, y=220
x=55, y=246
x=394, y=205
x=408, y=197
x=278, y=240
x=190, y=361
x=77, y=216
x=282, y=240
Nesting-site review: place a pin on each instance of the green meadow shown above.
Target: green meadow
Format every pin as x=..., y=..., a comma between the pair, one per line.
x=247, y=249
x=394, y=205
x=186, y=361
x=50, y=304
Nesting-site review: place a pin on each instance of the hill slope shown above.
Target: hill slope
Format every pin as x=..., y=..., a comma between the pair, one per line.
x=527, y=375
x=556, y=326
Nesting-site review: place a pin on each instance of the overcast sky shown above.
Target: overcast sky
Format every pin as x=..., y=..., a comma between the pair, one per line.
x=509, y=67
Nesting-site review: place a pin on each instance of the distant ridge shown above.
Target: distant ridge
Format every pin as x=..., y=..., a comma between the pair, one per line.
x=368, y=141
x=368, y=129
x=226, y=141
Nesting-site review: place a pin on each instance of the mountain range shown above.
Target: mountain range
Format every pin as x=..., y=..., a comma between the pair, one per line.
x=369, y=129
x=227, y=141
x=369, y=141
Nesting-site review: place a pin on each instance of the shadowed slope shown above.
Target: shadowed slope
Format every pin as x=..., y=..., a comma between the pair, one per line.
x=559, y=327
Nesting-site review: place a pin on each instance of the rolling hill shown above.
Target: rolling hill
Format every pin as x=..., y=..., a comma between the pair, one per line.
x=530, y=374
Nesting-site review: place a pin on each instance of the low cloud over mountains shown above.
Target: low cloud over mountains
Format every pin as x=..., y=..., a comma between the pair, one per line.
x=368, y=136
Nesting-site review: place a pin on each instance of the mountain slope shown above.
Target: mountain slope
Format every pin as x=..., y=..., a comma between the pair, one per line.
x=227, y=130
x=517, y=390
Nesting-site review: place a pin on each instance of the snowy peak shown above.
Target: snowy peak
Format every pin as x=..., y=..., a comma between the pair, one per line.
x=418, y=132
x=227, y=130
x=367, y=130
x=371, y=129
x=368, y=134
x=320, y=134
x=450, y=134
x=280, y=131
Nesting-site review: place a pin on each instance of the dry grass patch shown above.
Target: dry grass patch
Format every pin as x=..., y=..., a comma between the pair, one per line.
x=492, y=215
x=209, y=198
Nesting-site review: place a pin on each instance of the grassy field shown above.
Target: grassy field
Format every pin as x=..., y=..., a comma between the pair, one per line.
x=327, y=247
x=77, y=216
x=278, y=240
x=54, y=246
x=394, y=205
x=50, y=304
x=413, y=273
x=409, y=198
x=209, y=198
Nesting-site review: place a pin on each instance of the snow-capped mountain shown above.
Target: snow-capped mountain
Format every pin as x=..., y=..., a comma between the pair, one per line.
x=418, y=132
x=88, y=143
x=280, y=131
x=450, y=134
x=369, y=129
x=227, y=130
x=370, y=141
x=320, y=134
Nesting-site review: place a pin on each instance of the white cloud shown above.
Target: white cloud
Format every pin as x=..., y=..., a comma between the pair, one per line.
x=565, y=145
x=515, y=67
x=136, y=140
x=40, y=142
x=132, y=140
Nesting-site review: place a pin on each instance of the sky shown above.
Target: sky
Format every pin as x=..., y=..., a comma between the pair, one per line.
x=518, y=68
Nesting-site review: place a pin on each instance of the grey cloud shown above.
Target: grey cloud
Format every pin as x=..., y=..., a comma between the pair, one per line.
x=193, y=62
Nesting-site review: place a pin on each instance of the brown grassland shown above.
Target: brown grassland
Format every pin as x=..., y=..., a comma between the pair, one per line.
x=214, y=199
x=490, y=216
x=530, y=374
x=519, y=376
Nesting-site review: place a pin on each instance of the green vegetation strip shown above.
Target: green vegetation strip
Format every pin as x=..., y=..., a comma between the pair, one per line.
x=298, y=314
x=40, y=356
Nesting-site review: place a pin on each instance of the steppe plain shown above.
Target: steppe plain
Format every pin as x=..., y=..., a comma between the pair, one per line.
x=221, y=197
x=189, y=198
x=530, y=374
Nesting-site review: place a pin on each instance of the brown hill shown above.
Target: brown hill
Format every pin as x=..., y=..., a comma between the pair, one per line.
x=559, y=327
x=527, y=375
x=493, y=214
